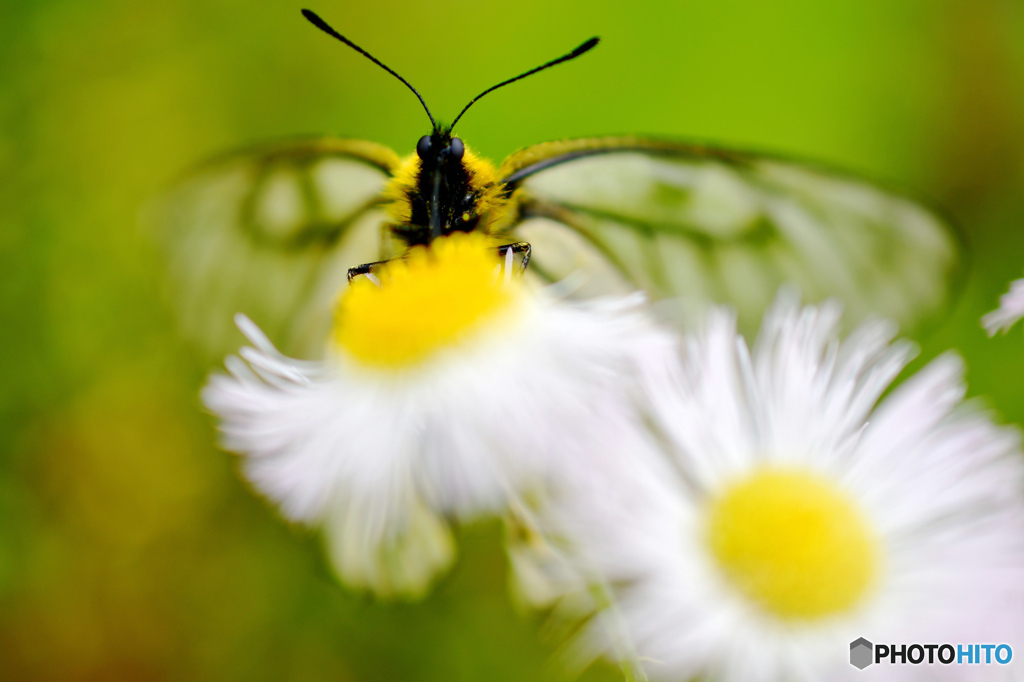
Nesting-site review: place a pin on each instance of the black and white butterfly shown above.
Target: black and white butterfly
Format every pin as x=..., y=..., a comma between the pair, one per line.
x=274, y=230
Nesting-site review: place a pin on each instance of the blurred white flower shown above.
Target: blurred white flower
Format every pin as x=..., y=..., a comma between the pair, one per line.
x=1011, y=309
x=449, y=390
x=797, y=512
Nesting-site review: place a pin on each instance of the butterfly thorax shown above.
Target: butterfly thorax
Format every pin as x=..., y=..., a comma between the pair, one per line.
x=442, y=188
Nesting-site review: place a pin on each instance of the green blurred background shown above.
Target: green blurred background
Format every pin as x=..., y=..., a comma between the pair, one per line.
x=129, y=547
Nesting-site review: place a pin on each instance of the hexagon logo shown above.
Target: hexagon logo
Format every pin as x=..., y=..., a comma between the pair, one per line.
x=861, y=653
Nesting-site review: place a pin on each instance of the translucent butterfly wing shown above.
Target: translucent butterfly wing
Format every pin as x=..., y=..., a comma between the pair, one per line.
x=692, y=225
x=271, y=232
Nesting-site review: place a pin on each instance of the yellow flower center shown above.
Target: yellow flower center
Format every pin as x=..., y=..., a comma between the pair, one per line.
x=794, y=543
x=434, y=299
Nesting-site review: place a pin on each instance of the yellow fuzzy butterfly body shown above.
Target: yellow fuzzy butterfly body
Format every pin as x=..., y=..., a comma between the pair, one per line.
x=481, y=202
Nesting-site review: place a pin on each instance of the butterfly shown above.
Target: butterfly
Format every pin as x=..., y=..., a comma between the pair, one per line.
x=276, y=230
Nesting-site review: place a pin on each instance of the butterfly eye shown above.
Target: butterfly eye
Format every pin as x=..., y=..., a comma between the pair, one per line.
x=456, y=149
x=423, y=147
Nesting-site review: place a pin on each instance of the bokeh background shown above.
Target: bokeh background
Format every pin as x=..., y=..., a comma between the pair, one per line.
x=129, y=547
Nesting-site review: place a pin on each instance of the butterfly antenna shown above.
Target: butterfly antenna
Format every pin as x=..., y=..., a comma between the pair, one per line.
x=582, y=49
x=323, y=26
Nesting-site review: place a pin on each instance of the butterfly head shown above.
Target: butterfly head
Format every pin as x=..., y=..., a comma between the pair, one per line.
x=440, y=147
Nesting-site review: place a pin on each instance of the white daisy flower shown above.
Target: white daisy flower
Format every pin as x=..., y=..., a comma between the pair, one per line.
x=449, y=390
x=798, y=512
x=1011, y=309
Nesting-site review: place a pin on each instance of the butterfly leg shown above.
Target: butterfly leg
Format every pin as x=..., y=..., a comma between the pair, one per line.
x=520, y=252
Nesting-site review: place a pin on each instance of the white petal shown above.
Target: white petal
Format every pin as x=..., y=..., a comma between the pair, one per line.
x=1011, y=309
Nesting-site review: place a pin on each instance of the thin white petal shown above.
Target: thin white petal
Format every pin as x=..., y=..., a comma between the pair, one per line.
x=1011, y=309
